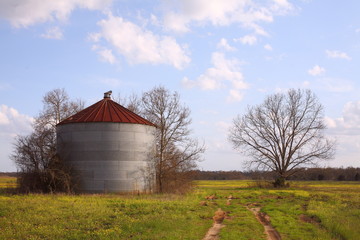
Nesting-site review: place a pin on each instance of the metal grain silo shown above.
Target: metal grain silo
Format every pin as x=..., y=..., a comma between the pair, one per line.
x=108, y=147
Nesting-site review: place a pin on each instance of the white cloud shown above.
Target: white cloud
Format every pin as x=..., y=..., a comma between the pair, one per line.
x=223, y=73
x=24, y=13
x=337, y=54
x=268, y=47
x=187, y=83
x=235, y=96
x=223, y=44
x=351, y=115
x=346, y=130
x=154, y=20
x=329, y=122
x=282, y=7
x=306, y=84
x=139, y=45
x=12, y=122
x=248, y=39
x=4, y=120
x=53, y=33
x=222, y=13
x=105, y=54
x=207, y=81
x=94, y=37
x=335, y=85
x=223, y=127
x=350, y=119
x=316, y=71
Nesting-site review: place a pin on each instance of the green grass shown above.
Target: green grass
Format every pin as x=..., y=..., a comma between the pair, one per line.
x=7, y=182
x=306, y=210
x=102, y=217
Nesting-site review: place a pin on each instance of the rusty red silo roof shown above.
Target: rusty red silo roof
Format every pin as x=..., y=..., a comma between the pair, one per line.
x=106, y=110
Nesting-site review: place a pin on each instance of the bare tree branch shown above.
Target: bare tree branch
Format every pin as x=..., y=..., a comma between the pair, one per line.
x=176, y=152
x=57, y=106
x=35, y=155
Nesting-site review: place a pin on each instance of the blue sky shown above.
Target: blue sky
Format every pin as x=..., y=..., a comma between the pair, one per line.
x=221, y=56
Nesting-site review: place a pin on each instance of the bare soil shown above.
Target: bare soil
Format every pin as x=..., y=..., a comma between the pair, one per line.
x=213, y=232
x=264, y=219
x=310, y=219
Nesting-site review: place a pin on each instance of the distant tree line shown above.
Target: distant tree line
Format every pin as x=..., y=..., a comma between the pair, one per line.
x=335, y=174
x=8, y=174
x=307, y=174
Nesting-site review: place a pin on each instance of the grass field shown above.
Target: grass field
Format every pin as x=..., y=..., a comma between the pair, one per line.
x=306, y=210
x=7, y=182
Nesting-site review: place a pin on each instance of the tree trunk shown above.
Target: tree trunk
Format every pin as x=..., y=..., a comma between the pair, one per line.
x=160, y=184
x=280, y=182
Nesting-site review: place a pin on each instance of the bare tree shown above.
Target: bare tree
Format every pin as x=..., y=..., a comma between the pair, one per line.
x=57, y=106
x=40, y=169
x=34, y=150
x=132, y=102
x=176, y=151
x=283, y=133
x=35, y=155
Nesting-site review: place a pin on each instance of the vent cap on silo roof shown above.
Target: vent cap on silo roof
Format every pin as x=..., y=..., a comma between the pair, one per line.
x=107, y=94
x=106, y=110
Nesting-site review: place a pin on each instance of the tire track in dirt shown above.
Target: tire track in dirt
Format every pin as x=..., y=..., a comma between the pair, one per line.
x=264, y=219
x=213, y=232
x=220, y=215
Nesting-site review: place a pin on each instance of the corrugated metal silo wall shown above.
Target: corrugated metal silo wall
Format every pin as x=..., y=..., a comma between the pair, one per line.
x=108, y=157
